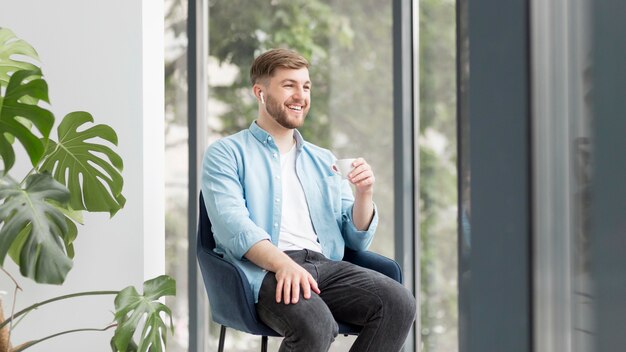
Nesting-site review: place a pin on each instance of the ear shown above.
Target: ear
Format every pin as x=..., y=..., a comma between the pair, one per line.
x=257, y=90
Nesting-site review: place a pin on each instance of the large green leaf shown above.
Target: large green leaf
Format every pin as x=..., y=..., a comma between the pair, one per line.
x=14, y=113
x=68, y=236
x=132, y=308
x=74, y=157
x=33, y=223
x=71, y=216
x=11, y=49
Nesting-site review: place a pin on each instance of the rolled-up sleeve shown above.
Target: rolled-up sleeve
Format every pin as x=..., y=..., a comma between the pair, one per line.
x=223, y=193
x=354, y=238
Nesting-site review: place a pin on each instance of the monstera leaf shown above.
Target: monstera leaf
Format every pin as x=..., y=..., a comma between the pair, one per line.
x=33, y=225
x=14, y=113
x=11, y=48
x=131, y=309
x=68, y=236
x=71, y=216
x=73, y=157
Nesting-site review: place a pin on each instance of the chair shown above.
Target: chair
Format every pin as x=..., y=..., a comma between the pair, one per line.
x=230, y=296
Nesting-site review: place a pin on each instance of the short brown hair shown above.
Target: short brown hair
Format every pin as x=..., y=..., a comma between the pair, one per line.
x=265, y=64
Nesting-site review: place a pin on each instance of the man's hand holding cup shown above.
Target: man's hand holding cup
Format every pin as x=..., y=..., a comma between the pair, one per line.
x=358, y=172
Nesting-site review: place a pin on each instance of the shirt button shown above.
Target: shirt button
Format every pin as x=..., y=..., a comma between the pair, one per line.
x=275, y=224
x=269, y=138
x=274, y=155
x=277, y=177
x=277, y=200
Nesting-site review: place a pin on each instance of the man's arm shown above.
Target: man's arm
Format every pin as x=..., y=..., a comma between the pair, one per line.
x=289, y=275
x=363, y=179
x=224, y=199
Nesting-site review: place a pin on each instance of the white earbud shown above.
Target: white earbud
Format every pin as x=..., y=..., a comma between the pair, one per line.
x=262, y=99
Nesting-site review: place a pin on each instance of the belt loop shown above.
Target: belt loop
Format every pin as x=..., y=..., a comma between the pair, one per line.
x=307, y=256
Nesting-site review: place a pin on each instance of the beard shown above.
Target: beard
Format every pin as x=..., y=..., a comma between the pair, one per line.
x=279, y=112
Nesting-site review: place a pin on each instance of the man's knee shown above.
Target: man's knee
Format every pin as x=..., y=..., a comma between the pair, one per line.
x=399, y=303
x=317, y=334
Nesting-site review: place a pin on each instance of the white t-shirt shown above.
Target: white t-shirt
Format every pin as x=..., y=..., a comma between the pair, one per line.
x=296, y=228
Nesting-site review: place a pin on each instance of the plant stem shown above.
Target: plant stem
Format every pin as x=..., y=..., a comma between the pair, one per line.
x=28, y=174
x=32, y=343
x=11, y=277
x=17, y=287
x=36, y=167
x=37, y=305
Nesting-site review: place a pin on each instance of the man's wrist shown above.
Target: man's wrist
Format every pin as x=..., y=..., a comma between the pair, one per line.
x=280, y=261
x=367, y=193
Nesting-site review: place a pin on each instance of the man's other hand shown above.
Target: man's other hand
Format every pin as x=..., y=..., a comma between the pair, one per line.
x=290, y=278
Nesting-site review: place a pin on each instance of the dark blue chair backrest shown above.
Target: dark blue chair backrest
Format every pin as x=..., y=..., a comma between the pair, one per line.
x=205, y=232
x=230, y=297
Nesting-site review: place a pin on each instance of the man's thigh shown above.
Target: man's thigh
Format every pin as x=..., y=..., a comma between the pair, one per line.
x=355, y=294
x=283, y=318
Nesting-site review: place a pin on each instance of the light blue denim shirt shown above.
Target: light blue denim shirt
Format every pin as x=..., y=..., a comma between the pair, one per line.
x=243, y=192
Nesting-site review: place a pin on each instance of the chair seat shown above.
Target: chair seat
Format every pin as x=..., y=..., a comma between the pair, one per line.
x=348, y=329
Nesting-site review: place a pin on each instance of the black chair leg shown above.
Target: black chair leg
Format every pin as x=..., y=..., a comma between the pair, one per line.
x=220, y=347
x=264, y=344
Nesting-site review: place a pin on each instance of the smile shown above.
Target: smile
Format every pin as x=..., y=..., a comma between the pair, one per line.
x=295, y=107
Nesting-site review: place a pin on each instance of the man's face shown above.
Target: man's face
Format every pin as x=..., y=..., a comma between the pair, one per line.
x=288, y=96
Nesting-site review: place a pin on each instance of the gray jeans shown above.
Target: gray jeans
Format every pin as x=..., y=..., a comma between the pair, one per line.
x=351, y=294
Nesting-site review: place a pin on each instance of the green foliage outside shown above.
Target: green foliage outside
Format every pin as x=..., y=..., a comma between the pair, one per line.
x=237, y=36
x=438, y=177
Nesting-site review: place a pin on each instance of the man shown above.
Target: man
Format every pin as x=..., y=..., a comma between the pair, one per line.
x=281, y=215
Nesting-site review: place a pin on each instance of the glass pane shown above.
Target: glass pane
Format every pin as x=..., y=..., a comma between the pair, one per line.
x=349, y=46
x=438, y=176
x=177, y=169
x=562, y=162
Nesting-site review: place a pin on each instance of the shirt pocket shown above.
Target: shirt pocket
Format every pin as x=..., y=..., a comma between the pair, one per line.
x=330, y=188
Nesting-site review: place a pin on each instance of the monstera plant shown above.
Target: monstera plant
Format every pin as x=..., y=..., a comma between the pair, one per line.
x=39, y=211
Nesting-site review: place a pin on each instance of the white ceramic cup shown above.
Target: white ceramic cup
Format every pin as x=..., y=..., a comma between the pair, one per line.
x=343, y=167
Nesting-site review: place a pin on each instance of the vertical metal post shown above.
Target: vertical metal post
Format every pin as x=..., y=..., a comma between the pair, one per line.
x=463, y=173
x=499, y=287
x=197, y=32
x=406, y=170
x=608, y=223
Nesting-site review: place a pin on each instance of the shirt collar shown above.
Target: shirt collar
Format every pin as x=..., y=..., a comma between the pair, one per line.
x=262, y=136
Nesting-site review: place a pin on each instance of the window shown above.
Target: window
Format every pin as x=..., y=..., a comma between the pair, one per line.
x=349, y=46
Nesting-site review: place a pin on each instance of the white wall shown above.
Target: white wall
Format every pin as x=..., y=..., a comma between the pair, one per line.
x=104, y=57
